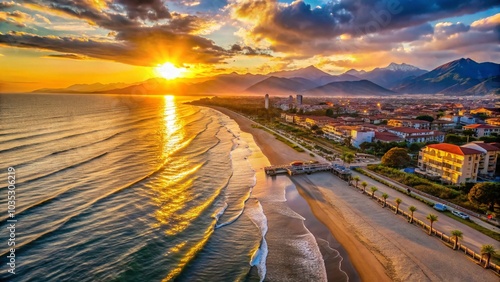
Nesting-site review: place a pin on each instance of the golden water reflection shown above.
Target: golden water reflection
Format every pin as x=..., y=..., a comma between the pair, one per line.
x=172, y=194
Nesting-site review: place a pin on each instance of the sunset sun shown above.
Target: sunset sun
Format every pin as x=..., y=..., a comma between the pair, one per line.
x=169, y=71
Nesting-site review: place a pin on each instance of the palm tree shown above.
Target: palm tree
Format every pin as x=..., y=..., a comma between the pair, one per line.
x=398, y=201
x=356, y=178
x=373, y=189
x=488, y=251
x=412, y=209
x=364, y=184
x=347, y=158
x=432, y=218
x=385, y=196
x=457, y=234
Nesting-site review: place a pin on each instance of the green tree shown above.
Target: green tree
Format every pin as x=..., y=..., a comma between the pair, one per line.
x=485, y=193
x=426, y=117
x=364, y=146
x=347, y=158
x=364, y=184
x=457, y=234
x=329, y=112
x=385, y=196
x=488, y=251
x=432, y=218
x=396, y=157
x=468, y=132
x=398, y=202
x=356, y=178
x=412, y=209
x=373, y=189
x=415, y=147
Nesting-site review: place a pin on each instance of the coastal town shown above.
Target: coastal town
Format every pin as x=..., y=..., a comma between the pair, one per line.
x=443, y=150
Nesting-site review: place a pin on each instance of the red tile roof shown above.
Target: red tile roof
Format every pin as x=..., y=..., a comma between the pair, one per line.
x=410, y=130
x=387, y=137
x=454, y=149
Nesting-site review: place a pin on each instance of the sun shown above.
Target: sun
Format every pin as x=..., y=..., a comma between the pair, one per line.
x=169, y=71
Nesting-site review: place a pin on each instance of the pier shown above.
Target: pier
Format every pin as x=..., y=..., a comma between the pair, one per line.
x=296, y=168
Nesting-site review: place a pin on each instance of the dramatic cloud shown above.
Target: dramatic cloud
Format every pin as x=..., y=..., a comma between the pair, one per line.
x=141, y=46
x=132, y=37
x=5, y=5
x=447, y=29
x=16, y=18
x=486, y=24
x=301, y=28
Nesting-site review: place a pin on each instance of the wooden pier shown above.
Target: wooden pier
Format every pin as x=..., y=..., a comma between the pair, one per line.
x=308, y=168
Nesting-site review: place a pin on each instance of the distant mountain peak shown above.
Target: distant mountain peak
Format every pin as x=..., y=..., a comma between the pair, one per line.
x=401, y=67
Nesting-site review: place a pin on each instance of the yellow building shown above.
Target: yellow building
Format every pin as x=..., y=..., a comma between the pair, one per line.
x=450, y=163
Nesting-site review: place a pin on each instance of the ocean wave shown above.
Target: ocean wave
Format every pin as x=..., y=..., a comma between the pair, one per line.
x=31, y=178
x=259, y=257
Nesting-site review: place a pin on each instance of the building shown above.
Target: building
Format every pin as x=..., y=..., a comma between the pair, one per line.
x=450, y=163
x=299, y=99
x=361, y=135
x=337, y=132
x=465, y=120
x=319, y=121
x=412, y=135
x=487, y=111
x=266, y=101
x=488, y=159
x=493, y=121
x=413, y=123
x=290, y=99
x=442, y=125
x=481, y=130
x=386, y=137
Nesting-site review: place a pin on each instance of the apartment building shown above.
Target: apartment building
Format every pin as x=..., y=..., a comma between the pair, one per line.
x=412, y=123
x=412, y=135
x=488, y=159
x=450, y=163
x=481, y=130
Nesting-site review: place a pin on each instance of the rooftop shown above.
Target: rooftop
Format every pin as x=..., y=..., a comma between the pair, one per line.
x=454, y=149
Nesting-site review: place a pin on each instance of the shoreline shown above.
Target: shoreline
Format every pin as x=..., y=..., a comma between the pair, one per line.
x=369, y=266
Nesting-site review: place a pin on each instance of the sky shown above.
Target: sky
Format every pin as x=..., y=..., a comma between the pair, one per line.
x=63, y=42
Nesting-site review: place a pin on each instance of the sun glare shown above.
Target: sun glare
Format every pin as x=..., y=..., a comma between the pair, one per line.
x=169, y=71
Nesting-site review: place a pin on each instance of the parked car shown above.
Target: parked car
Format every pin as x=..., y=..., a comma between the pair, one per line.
x=460, y=214
x=440, y=207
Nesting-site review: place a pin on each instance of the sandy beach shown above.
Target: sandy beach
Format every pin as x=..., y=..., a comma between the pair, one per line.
x=380, y=246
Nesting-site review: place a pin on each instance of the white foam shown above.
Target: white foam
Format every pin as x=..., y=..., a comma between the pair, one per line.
x=259, y=257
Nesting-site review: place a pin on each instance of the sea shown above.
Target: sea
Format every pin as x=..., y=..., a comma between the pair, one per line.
x=128, y=188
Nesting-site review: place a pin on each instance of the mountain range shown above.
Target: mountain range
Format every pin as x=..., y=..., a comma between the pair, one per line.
x=459, y=77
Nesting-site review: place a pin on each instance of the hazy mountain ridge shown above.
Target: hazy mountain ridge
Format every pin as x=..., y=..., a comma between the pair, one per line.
x=351, y=88
x=389, y=76
x=459, y=77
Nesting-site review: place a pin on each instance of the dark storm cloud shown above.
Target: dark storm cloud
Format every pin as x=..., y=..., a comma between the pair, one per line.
x=145, y=9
